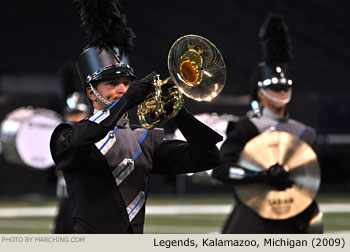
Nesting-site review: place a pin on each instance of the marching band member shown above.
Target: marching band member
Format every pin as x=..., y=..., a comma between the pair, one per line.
x=274, y=90
x=107, y=163
x=77, y=109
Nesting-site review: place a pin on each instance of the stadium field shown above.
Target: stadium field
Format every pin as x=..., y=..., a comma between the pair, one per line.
x=164, y=214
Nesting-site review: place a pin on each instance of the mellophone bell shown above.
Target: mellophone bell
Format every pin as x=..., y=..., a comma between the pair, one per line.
x=25, y=136
x=197, y=70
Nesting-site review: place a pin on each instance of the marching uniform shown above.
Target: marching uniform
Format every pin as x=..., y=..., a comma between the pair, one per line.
x=77, y=109
x=243, y=219
x=64, y=221
x=273, y=90
x=107, y=170
x=106, y=163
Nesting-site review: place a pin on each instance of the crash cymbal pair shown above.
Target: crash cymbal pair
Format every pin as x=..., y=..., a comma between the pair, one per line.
x=297, y=158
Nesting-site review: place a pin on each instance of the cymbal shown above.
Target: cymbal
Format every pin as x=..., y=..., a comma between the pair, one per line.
x=297, y=157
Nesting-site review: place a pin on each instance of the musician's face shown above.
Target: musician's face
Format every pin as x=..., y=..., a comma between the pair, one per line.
x=272, y=104
x=109, y=90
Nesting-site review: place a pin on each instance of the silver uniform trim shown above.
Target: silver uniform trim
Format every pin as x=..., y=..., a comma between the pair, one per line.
x=108, y=145
x=129, y=164
x=236, y=173
x=98, y=118
x=135, y=206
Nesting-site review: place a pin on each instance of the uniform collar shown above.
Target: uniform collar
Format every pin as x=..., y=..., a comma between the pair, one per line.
x=123, y=122
x=271, y=115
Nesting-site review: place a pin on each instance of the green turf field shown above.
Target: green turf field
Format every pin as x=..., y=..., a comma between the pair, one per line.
x=157, y=224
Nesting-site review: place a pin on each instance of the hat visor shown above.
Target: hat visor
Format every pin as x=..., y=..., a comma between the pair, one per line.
x=114, y=72
x=278, y=87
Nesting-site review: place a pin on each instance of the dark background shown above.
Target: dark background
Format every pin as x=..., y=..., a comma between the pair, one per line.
x=38, y=37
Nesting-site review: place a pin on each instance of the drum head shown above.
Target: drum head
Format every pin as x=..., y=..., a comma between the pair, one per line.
x=25, y=137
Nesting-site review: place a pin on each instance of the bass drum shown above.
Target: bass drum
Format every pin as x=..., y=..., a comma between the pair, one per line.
x=25, y=136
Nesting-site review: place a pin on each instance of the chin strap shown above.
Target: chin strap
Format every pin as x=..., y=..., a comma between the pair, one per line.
x=99, y=96
x=274, y=99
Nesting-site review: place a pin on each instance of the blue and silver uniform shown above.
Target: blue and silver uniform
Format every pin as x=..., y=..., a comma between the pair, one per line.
x=107, y=165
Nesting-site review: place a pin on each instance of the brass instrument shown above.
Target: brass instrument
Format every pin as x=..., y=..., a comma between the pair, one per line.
x=197, y=70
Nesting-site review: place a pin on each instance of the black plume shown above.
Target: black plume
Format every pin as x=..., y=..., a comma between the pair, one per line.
x=105, y=25
x=275, y=41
